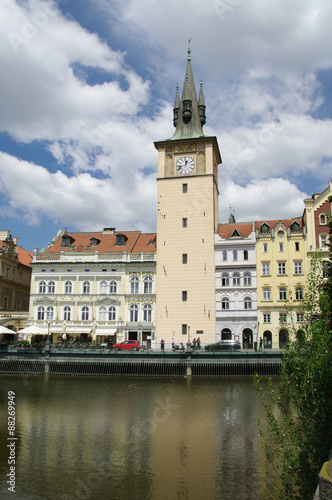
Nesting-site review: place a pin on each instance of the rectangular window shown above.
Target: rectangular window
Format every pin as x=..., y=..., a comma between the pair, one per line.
x=184, y=222
x=184, y=329
x=184, y=296
x=281, y=247
x=266, y=318
x=298, y=267
x=299, y=317
x=264, y=247
x=184, y=188
x=281, y=268
x=297, y=246
x=266, y=268
x=184, y=258
x=283, y=318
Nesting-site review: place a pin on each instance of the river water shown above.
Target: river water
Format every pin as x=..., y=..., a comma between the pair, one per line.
x=132, y=439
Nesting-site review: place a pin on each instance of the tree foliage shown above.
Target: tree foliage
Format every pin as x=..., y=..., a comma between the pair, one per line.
x=299, y=407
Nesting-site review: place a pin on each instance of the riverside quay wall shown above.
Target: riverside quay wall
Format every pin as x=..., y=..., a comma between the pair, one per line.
x=139, y=364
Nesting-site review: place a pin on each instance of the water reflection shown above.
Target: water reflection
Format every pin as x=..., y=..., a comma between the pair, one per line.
x=92, y=438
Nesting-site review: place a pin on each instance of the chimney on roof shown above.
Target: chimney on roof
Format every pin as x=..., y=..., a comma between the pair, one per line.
x=109, y=230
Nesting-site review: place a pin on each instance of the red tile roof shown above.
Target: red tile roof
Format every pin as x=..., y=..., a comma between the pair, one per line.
x=24, y=256
x=243, y=228
x=274, y=223
x=135, y=242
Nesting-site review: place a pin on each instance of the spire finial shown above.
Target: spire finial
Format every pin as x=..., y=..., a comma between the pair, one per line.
x=189, y=51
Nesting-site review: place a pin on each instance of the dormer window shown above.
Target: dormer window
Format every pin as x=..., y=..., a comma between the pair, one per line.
x=265, y=228
x=187, y=112
x=235, y=234
x=94, y=242
x=67, y=241
x=121, y=240
x=295, y=227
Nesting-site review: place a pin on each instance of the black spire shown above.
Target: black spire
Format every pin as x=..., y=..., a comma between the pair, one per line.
x=189, y=114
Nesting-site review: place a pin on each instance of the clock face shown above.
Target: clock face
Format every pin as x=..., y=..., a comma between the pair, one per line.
x=185, y=165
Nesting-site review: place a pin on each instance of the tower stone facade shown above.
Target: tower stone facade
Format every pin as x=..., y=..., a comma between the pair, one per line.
x=187, y=220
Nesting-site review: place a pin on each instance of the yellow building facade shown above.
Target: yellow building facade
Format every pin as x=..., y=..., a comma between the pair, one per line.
x=281, y=250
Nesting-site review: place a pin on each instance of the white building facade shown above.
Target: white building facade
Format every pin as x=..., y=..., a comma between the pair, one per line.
x=236, y=283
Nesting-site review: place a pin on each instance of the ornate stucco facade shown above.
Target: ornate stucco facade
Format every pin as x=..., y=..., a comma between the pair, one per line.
x=95, y=286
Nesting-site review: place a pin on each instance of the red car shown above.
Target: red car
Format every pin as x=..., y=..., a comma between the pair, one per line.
x=131, y=345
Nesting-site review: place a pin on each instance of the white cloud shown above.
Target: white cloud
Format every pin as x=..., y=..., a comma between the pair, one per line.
x=42, y=97
x=264, y=101
x=273, y=198
x=82, y=201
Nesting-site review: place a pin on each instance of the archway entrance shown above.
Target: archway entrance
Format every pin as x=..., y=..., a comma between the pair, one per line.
x=226, y=334
x=247, y=338
x=283, y=338
x=267, y=339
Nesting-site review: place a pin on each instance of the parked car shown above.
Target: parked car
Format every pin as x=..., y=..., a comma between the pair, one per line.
x=224, y=345
x=129, y=345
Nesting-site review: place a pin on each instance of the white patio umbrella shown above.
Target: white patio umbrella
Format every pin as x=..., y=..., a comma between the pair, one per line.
x=32, y=330
x=64, y=330
x=3, y=329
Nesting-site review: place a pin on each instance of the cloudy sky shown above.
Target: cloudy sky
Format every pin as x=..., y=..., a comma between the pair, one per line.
x=87, y=86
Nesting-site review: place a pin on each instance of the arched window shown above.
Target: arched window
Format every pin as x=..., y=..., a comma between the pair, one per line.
x=236, y=279
x=51, y=287
x=299, y=293
x=67, y=313
x=225, y=303
x=234, y=254
x=266, y=294
x=224, y=255
x=103, y=287
x=226, y=334
x=50, y=313
x=147, y=284
x=68, y=287
x=133, y=313
x=111, y=313
x=282, y=294
x=41, y=313
x=247, y=279
x=147, y=312
x=113, y=287
x=225, y=279
x=86, y=287
x=322, y=219
x=85, y=313
x=247, y=303
x=42, y=287
x=134, y=284
x=102, y=313
x=245, y=254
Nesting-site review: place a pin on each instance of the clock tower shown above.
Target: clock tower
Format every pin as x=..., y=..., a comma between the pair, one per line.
x=187, y=220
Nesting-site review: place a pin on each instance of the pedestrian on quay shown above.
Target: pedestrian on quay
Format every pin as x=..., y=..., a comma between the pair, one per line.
x=194, y=344
x=260, y=344
x=162, y=344
x=173, y=343
x=198, y=343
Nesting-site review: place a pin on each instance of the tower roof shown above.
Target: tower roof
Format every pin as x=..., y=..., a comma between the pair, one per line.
x=189, y=114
